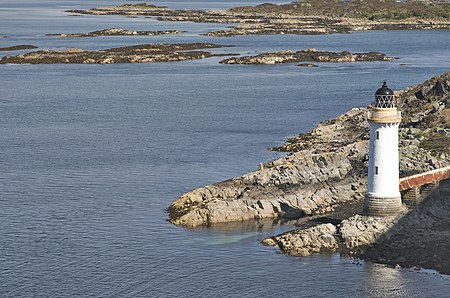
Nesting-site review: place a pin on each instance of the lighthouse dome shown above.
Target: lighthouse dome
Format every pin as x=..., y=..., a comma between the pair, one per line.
x=384, y=90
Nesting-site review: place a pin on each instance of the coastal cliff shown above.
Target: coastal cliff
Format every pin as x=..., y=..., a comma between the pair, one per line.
x=327, y=166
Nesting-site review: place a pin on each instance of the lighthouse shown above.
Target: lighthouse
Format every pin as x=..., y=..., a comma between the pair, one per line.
x=383, y=195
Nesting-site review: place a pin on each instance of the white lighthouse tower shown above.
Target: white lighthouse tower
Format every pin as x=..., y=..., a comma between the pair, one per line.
x=383, y=195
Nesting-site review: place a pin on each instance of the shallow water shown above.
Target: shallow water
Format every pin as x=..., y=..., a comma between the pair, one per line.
x=91, y=155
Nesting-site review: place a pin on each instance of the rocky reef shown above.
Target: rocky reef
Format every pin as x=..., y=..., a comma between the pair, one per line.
x=133, y=54
x=312, y=55
x=116, y=32
x=19, y=47
x=307, y=17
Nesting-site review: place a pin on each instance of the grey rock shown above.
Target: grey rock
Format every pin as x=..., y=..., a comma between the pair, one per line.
x=303, y=242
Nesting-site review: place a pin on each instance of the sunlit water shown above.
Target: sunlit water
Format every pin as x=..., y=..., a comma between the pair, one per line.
x=91, y=155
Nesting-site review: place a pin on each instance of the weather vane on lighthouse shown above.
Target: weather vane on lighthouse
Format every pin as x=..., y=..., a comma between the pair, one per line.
x=383, y=195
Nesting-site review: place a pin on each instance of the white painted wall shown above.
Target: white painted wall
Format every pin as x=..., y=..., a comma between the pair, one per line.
x=383, y=153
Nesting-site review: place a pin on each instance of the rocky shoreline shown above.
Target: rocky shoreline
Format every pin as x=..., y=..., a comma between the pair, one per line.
x=117, y=32
x=326, y=166
x=418, y=238
x=325, y=170
x=307, y=18
x=132, y=54
x=312, y=55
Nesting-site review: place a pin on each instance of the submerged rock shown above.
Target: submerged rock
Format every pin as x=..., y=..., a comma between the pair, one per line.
x=308, y=65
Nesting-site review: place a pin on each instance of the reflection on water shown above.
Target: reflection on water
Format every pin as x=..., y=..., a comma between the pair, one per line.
x=388, y=279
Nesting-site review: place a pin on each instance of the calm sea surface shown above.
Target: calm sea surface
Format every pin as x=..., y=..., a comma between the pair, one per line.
x=91, y=155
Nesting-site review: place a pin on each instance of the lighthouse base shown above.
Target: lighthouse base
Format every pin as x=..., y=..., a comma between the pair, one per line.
x=382, y=206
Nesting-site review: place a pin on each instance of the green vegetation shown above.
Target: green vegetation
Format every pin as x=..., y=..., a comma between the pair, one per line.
x=360, y=9
x=437, y=143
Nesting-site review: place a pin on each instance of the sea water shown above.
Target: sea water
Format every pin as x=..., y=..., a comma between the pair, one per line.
x=92, y=155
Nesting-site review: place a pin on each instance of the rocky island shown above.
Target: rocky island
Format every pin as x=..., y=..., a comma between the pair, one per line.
x=117, y=32
x=311, y=55
x=326, y=170
x=305, y=17
x=132, y=54
x=19, y=48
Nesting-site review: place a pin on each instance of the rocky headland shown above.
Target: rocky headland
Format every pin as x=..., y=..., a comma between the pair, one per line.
x=327, y=166
x=116, y=32
x=311, y=55
x=326, y=171
x=306, y=17
x=132, y=54
x=19, y=48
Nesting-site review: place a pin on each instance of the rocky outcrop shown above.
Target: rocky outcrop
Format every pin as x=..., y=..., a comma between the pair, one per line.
x=298, y=185
x=19, y=47
x=351, y=236
x=314, y=55
x=416, y=238
x=300, y=242
x=361, y=231
x=292, y=18
x=419, y=239
x=326, y=167
x=133, y=54
x=116, y=32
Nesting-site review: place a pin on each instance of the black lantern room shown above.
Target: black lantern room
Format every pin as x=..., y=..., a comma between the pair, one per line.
x=384, y=97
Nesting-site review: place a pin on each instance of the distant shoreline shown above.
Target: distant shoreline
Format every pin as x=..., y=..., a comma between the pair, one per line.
x=310, y=17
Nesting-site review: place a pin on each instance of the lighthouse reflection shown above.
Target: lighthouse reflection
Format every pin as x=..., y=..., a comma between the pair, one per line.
x=383, y=280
